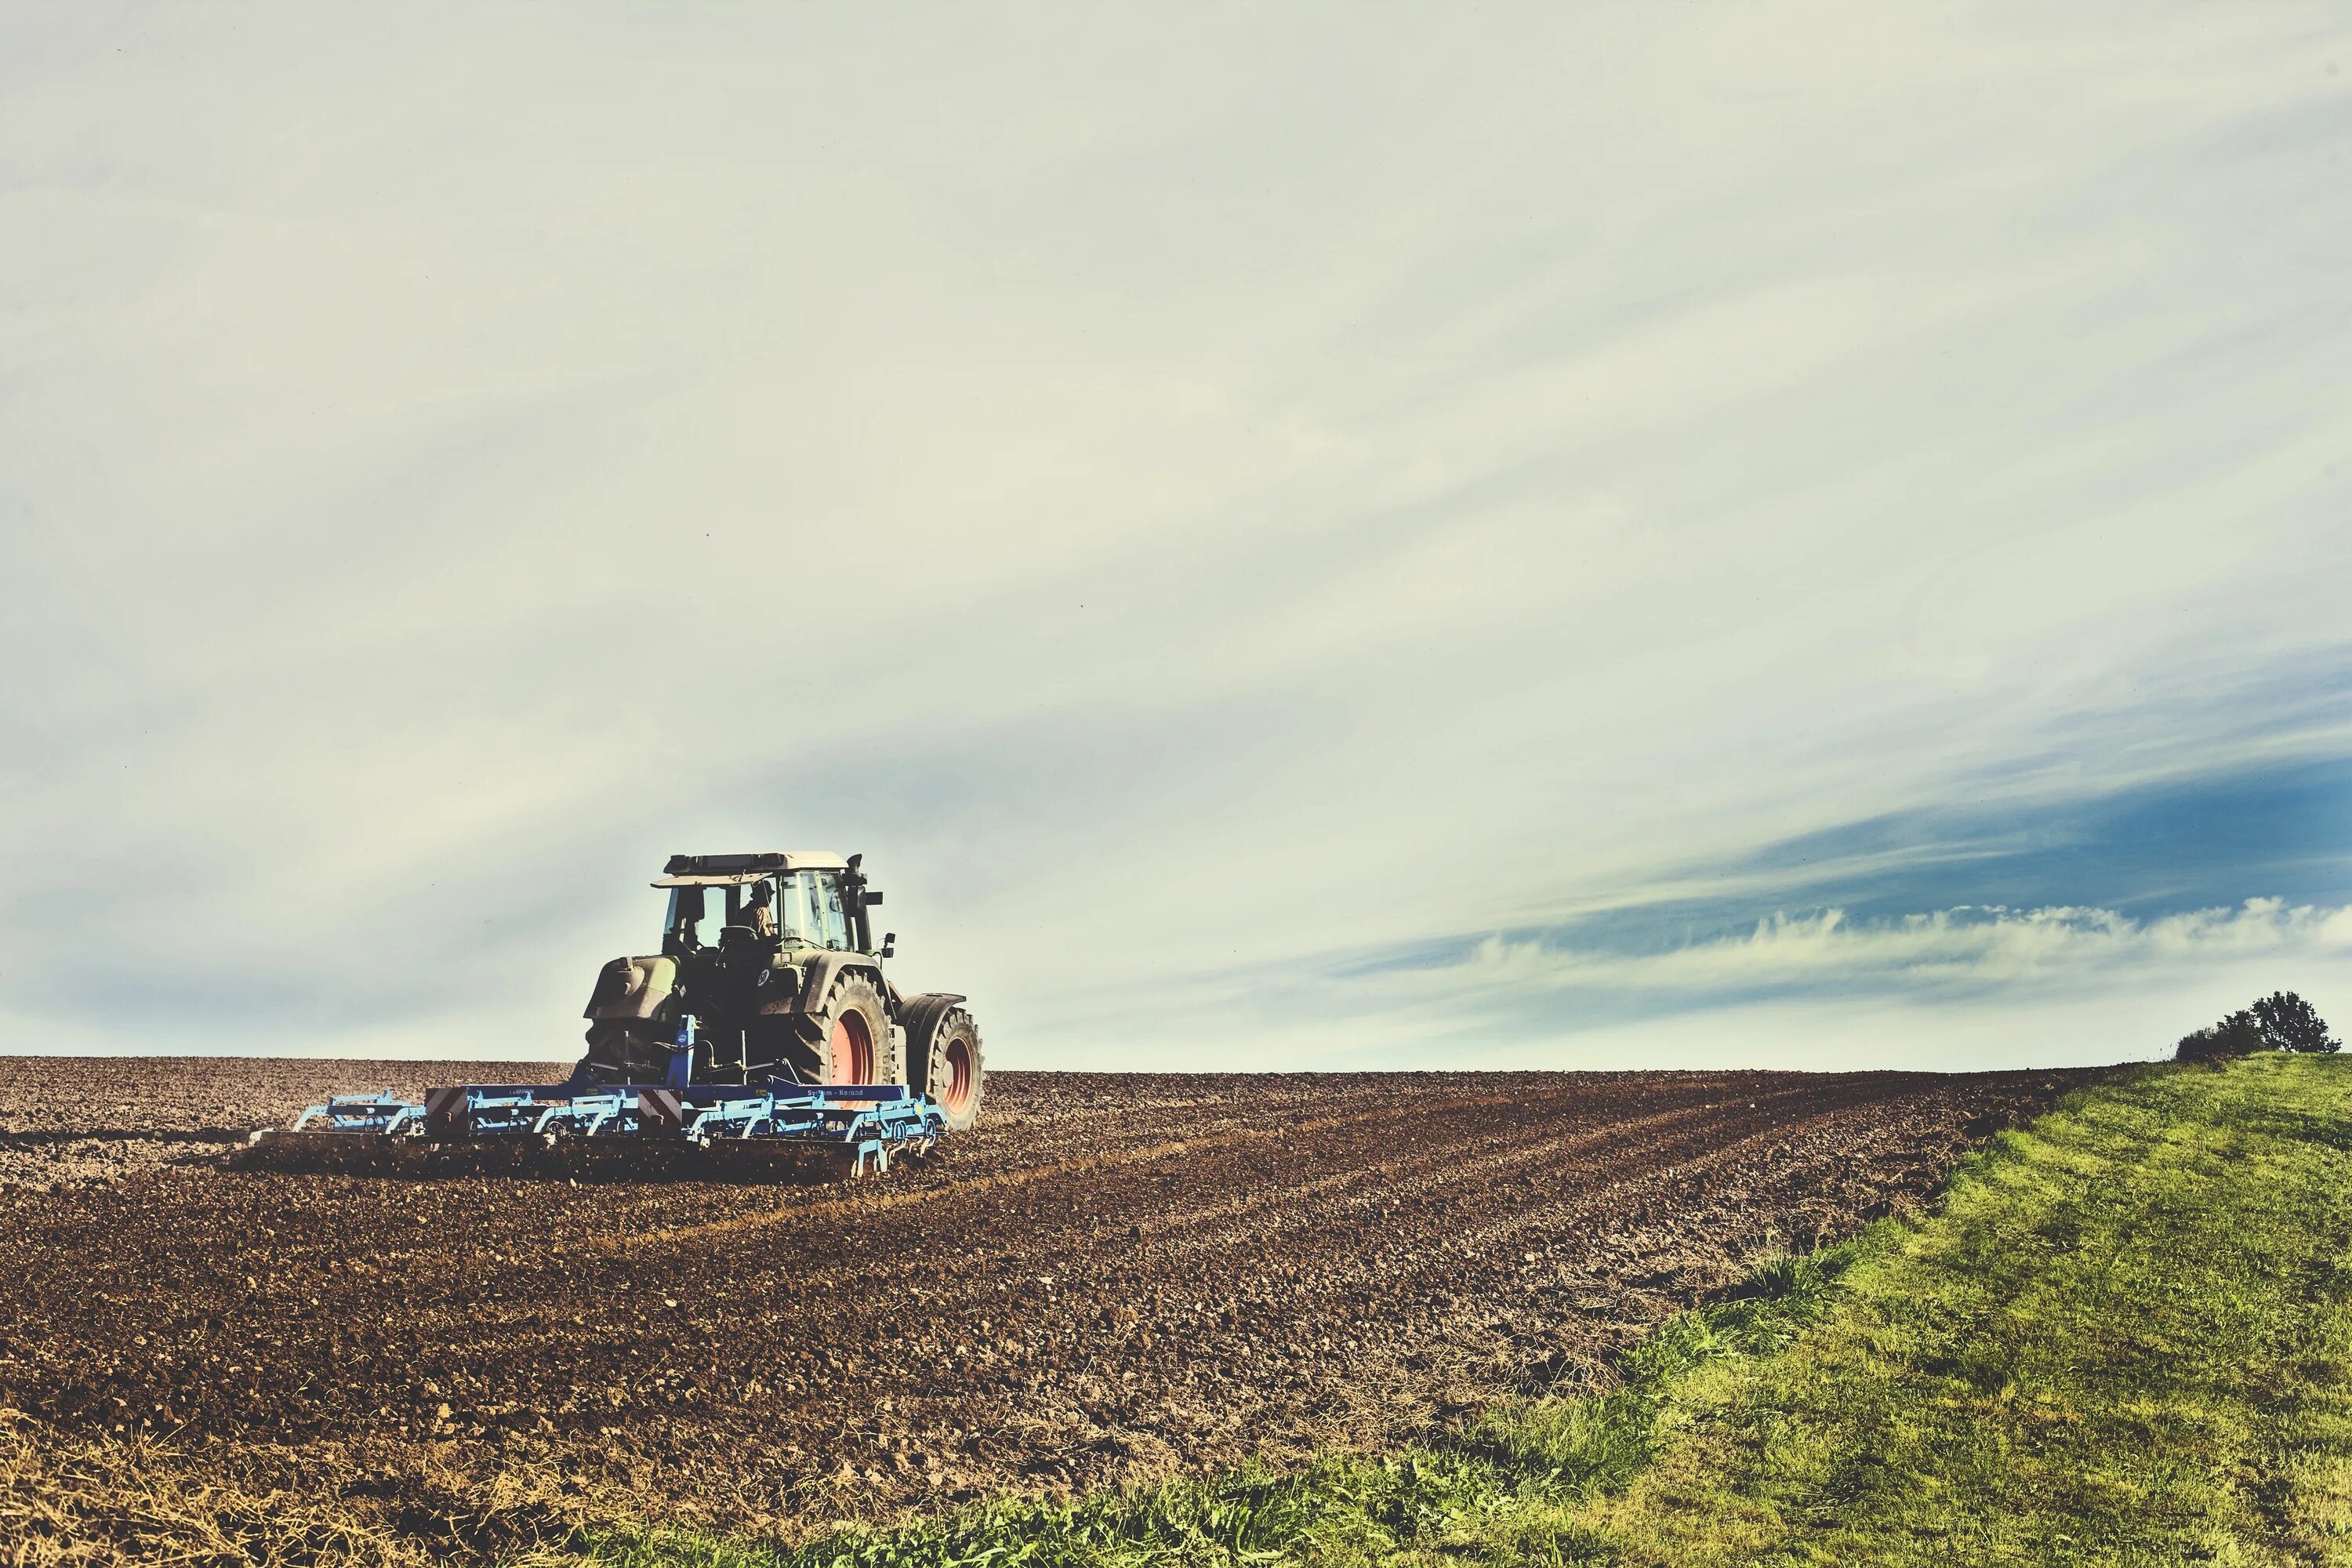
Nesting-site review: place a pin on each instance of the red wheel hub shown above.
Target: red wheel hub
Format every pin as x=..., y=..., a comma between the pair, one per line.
x=955, y=1094
x=853, y=1050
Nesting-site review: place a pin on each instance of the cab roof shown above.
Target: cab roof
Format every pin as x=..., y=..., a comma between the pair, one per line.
x=731, y=870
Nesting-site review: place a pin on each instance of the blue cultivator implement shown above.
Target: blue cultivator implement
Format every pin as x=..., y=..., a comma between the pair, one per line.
x=675, y=1126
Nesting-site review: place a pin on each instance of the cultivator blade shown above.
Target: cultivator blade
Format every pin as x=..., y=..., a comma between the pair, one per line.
x=382, y=1113
x=613, y=1132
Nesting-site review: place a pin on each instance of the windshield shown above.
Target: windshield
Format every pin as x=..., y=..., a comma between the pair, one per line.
x=812, y=910
x=800, y=907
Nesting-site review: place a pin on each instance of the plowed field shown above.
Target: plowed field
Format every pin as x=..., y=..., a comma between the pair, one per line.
x=1115, y=1276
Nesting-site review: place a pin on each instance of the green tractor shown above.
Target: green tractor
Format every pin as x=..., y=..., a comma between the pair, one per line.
x=773, y=958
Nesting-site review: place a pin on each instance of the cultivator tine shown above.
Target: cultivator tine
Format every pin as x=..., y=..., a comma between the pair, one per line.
x=585, y=1114
x=379, y=1113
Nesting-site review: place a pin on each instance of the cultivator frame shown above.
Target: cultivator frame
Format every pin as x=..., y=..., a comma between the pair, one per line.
x=857, y=1128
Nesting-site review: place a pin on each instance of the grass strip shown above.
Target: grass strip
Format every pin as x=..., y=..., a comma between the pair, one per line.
x=2125, y=1336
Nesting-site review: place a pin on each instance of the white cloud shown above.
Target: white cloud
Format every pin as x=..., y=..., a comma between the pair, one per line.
x=1965, y=947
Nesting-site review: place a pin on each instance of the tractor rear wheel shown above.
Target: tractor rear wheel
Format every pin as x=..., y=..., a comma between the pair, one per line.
x=848, y=1040
x=944, y=1056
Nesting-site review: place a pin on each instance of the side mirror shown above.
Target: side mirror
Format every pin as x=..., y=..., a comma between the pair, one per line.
x=871, y=898
x=890, y=945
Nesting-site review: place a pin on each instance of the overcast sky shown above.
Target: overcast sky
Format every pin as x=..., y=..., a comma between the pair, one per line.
x=1290, y=536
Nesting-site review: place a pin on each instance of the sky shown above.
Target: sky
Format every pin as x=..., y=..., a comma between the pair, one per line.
x=1314, y=537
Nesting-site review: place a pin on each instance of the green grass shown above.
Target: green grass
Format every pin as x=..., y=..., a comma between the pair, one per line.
x=2124, y=1337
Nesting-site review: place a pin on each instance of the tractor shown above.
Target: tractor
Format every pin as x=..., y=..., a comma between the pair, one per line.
x=763, y=1031
x=773, y=957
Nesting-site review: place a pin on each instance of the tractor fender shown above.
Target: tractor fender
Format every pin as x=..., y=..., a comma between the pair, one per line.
x=818, y=971
x=633, y=987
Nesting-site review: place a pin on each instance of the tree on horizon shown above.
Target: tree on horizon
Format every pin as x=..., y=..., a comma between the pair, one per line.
x=2291, y=1024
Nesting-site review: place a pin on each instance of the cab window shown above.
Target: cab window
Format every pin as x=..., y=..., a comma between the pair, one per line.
x=830, y=913
x=810, y=910
x=696, y=914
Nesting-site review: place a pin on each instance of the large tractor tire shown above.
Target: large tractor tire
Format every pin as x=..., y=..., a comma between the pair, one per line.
x=847, y=1039
x=943, y=1056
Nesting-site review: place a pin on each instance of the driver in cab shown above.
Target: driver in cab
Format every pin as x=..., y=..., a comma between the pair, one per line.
x=757, y=914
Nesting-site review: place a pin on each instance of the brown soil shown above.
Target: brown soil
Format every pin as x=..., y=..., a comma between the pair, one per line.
x=1114, y=1277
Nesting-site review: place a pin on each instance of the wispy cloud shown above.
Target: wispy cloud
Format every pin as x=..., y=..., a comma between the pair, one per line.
x=1942, y=950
